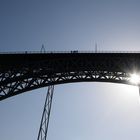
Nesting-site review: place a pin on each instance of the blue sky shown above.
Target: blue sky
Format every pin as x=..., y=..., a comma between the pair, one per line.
x=81, y=111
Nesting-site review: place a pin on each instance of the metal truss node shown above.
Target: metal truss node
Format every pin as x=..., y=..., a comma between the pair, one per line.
x=42, y=135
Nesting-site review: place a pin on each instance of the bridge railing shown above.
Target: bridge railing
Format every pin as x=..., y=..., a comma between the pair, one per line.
x=73, y=51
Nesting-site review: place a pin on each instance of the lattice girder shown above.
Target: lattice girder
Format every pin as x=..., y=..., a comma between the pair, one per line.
x=24, y=72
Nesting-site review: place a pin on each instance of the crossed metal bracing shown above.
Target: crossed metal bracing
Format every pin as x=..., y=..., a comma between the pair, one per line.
x=24, y=72
x=19, y=86
x=42, y=135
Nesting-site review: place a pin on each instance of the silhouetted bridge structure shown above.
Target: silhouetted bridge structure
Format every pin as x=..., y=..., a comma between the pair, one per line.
x=21, y=72
x=27, y=71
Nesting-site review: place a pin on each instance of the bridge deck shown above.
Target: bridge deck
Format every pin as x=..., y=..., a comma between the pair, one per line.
x=18, y=58
x=21, y=72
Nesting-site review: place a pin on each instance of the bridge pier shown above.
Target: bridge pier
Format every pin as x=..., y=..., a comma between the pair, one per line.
x=42, y=135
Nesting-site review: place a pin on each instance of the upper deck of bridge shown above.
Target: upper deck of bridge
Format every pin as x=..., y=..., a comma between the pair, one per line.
x=9, y=58
x=69, y=52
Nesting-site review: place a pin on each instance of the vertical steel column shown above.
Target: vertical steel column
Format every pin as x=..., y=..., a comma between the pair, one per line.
x=42, y=135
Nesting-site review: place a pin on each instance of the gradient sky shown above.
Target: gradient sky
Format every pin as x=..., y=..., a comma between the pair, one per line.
x=81, y=111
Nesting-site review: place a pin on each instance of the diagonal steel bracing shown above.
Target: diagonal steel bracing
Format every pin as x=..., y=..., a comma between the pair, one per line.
x=42, y=135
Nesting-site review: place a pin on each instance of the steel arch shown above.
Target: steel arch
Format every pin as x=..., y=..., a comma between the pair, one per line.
x=23, y=72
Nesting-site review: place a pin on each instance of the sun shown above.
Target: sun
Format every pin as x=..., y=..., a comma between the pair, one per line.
x=135, y=78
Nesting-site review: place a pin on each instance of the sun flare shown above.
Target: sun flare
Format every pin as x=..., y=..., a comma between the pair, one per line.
x=135, y=78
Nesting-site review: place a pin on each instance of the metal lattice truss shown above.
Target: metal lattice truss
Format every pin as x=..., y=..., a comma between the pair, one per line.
x=42, y=135
x=19, y=86
x=64, y=68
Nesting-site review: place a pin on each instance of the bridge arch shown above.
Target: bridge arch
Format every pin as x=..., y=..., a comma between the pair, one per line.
x=23, y=72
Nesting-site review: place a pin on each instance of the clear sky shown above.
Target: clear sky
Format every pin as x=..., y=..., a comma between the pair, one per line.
x=81, y=111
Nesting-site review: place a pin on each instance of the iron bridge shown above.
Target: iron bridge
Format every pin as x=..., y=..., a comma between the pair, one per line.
x=21, y=72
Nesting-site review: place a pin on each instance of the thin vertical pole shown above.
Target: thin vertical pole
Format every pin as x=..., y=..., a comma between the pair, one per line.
x=42, y=135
